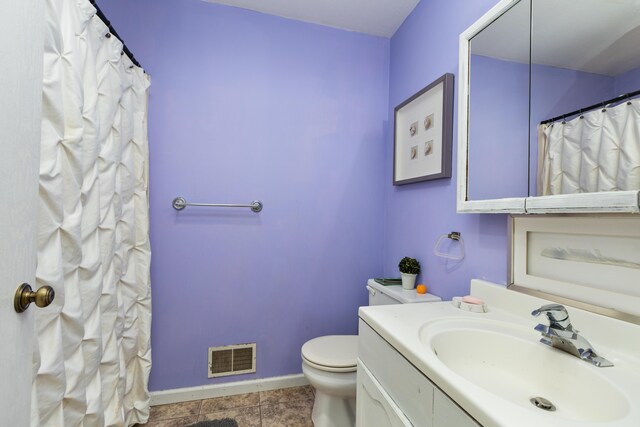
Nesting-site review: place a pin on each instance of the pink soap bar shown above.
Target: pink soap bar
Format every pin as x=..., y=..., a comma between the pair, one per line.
x=472, y=300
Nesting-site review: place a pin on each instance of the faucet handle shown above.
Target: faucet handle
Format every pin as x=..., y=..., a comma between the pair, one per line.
x=557, y=315
x=550, y=308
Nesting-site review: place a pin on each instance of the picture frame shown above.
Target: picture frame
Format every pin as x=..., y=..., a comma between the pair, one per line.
x=423, y=134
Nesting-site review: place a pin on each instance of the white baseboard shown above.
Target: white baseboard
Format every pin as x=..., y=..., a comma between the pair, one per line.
x=226, y=389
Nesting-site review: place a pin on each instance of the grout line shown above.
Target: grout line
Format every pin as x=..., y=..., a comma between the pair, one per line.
x=176, y=417
x=169, y=418
x=229, y=409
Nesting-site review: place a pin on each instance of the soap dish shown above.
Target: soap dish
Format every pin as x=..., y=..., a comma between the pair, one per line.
x=477, y=306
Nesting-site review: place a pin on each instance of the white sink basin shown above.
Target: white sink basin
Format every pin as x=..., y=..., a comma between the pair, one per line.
x=508, y=361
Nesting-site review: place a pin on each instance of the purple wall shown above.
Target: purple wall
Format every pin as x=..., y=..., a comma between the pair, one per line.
x=424, y=48
x=249, y=106
x=555, y=91
x=500, y=132
x=505, y=86
x=627, y=82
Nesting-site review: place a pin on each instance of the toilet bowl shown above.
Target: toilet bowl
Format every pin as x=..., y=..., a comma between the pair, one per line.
x=329, y=363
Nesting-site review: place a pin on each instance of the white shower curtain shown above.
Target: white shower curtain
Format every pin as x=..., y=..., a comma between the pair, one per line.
x=93, y=355
x=599, y=152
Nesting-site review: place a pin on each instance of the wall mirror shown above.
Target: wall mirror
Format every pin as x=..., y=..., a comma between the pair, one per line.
x=549, y=108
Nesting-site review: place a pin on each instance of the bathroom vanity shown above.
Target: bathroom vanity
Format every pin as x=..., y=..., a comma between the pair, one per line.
x=434, y=365
x=393, y=392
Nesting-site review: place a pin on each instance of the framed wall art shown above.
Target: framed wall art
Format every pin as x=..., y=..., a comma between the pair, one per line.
x=423, y=134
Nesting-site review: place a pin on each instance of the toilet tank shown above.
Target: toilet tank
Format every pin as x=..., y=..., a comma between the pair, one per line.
x=385, y=295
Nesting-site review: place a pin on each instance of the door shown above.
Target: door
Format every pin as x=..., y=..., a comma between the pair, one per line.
x=21, y=57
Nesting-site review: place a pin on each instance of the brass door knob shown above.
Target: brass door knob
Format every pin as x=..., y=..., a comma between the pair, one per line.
x=25, y=296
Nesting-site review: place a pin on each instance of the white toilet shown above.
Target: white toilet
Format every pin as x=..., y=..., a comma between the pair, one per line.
x=329, y=362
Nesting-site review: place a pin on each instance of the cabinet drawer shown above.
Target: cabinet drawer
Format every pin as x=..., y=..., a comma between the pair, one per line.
x=374, y=407
x=411, y=391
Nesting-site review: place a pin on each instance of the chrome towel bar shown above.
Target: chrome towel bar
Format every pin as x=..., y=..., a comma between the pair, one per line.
x=180, y=203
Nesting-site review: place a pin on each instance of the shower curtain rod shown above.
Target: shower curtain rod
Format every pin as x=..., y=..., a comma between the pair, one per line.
x=112, y=30
x=602, y=104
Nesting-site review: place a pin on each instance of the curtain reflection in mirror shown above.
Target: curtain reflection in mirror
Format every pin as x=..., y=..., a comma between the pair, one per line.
x=597, y=151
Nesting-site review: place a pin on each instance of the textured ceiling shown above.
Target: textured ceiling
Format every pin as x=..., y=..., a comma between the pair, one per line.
x=375, y=17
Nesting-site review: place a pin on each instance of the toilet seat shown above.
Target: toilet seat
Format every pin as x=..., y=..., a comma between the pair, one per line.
x=332, y=353
x=329, y=368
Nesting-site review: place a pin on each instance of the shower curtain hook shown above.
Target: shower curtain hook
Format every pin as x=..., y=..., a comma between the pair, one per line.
x=604, y=107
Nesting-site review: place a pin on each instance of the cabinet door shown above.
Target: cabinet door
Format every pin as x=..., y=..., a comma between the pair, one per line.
x=374, y=407
x=411, y=391
x=447, y=414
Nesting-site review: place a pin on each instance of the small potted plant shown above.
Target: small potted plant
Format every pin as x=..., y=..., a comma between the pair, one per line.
x=409, y=269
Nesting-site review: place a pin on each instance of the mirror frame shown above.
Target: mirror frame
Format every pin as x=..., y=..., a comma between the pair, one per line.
x=606, y=201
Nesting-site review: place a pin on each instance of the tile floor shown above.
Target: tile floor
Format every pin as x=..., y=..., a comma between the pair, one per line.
x=286, y=407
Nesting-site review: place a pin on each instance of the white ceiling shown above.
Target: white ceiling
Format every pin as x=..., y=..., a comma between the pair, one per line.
x=595, y=36
x=375, y=17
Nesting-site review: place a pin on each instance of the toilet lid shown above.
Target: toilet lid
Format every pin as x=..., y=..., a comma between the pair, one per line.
x=333, y=351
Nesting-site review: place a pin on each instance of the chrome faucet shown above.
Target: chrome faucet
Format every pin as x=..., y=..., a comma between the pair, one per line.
x=561, y=335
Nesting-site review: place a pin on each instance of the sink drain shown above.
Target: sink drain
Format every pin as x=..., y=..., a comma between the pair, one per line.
x=542, y=403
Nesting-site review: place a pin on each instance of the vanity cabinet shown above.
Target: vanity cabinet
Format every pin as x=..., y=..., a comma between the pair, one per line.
x=447, y=414
x=392, y=392
x=374, y=407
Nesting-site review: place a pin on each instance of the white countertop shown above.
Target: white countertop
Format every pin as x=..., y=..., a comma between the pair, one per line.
x=618, y=341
